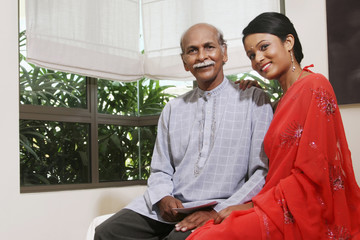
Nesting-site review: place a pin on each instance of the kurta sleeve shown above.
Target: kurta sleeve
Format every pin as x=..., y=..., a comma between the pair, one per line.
x=261, y=114
x=160, y=181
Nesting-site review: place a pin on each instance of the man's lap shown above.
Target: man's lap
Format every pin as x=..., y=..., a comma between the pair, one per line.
x=127, y=224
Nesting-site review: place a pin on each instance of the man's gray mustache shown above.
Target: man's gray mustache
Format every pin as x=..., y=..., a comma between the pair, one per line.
x=204, y=64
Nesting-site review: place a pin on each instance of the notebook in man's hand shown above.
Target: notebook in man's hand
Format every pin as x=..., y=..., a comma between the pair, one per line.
x=189, y=210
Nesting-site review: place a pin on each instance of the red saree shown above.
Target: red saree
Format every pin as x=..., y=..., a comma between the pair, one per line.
x=310, y=190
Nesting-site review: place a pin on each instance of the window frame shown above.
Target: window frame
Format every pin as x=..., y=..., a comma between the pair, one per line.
x=90, y=116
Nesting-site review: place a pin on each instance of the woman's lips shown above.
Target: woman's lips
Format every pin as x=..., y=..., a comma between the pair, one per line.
x=265, y=67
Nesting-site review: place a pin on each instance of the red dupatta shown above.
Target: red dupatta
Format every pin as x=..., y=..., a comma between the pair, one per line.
x=310, y=190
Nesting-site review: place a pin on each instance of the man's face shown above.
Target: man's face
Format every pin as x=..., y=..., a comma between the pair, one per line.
x=203, y=56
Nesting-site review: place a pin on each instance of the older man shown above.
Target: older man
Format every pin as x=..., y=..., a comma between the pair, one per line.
x=208, y=148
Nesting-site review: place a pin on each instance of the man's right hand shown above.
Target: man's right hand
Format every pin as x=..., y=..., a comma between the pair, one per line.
x=166, y=205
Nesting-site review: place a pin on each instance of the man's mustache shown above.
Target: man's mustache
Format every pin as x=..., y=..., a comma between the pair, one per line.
x=204, y=64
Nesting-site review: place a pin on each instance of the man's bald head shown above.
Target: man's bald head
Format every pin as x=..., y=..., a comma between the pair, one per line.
x=220, y=36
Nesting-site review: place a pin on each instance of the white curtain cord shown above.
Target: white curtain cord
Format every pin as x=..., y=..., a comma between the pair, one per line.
x=100, y=38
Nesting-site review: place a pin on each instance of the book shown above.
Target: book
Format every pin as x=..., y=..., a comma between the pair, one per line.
x=189, y=210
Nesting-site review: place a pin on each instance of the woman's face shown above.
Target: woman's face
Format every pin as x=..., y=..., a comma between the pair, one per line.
x=269, y=56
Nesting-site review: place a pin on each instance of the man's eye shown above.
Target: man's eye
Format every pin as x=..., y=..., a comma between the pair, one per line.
x=191, y=51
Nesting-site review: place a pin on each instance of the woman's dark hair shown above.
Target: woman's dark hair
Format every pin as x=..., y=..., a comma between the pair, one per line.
x=278, y=25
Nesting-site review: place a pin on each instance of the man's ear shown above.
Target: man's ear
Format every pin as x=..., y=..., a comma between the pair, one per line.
x=289, y=42
x=225, y=57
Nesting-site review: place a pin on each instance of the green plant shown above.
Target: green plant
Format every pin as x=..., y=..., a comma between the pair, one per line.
x=125, y=151
x=272, y=88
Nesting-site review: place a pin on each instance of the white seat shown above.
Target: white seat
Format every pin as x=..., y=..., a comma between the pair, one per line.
x=94, y=223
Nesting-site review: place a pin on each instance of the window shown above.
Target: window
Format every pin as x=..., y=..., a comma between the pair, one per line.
x=78, y=132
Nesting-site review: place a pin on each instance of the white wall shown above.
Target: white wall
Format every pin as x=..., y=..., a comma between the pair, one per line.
x=309, y=19
x=66, y=215
x=39, y=216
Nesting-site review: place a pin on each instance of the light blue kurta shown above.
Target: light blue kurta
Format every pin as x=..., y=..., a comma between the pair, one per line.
x=209, y=147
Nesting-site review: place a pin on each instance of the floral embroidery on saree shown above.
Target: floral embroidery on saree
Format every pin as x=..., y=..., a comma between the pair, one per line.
x=288, y=217
x=336, y=179
x=325, y=101
x=338, y=233
x=336, y=172
x=292, y=135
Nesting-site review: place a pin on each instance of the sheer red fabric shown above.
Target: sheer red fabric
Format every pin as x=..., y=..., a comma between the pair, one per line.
x=310, y=190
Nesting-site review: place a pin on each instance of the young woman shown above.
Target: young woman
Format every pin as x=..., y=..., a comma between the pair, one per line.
x=310, y=190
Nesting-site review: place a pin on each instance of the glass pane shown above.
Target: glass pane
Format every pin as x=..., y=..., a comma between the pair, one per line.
x=54, y=153
x=271, y=88
x=177, y=87
x=117, y=98
x=141, y=98
x=153, y=95
x=122, y=156
x=44, y=87
x=147, y=136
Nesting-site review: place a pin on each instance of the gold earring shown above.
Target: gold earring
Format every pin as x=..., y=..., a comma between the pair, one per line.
x=292, y=62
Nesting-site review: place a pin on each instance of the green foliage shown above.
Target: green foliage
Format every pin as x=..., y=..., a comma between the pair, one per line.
x=272, y=88
x=144, y=97
x=125, y=152
x=53, y=153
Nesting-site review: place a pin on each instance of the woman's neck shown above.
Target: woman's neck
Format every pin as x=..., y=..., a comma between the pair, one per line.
x=288, y=79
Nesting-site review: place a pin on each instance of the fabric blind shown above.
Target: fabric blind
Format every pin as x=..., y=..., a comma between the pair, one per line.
x=97, y=38
x=164, y=22
x=100, y=38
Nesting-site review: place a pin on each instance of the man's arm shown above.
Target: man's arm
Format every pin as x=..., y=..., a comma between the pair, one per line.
x=262, y=114
x=160, y=184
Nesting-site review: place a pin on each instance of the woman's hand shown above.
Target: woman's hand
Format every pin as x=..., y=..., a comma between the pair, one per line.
x=227, y=211
x=196, y=219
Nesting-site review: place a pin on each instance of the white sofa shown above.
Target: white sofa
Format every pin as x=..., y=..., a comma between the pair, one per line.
x=94, y=223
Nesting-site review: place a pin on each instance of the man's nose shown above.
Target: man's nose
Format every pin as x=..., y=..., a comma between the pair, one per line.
x=202, y=55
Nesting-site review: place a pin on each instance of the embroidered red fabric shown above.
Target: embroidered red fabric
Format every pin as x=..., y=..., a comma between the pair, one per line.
x=310, y=190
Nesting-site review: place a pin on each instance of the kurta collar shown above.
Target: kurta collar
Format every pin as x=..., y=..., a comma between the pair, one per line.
x=213, y=92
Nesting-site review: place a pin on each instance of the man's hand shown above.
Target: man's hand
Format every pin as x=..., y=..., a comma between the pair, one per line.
x=195, y=220
x=166, y=205
x=227, y=211
x=244, y=84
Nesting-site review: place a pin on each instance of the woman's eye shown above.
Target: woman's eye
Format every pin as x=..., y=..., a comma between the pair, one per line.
x=264, y=47
x=251, y=56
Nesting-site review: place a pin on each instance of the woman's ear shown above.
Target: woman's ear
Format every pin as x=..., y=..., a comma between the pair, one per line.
x=289, y=42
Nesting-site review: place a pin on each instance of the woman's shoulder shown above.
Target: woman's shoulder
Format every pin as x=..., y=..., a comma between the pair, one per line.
x=317, y=80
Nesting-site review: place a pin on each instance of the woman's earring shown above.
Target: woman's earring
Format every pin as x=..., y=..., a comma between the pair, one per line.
x=292, y=62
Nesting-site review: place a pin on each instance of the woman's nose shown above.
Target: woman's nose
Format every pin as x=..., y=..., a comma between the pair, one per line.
x=259, y=57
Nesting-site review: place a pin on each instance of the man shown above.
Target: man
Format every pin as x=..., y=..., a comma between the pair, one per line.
x=208, y=148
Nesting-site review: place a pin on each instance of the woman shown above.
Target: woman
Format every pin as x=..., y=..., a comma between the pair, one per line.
x=310, y=190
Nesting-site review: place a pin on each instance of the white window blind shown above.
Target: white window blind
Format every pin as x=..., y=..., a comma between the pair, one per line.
x=100, y=38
